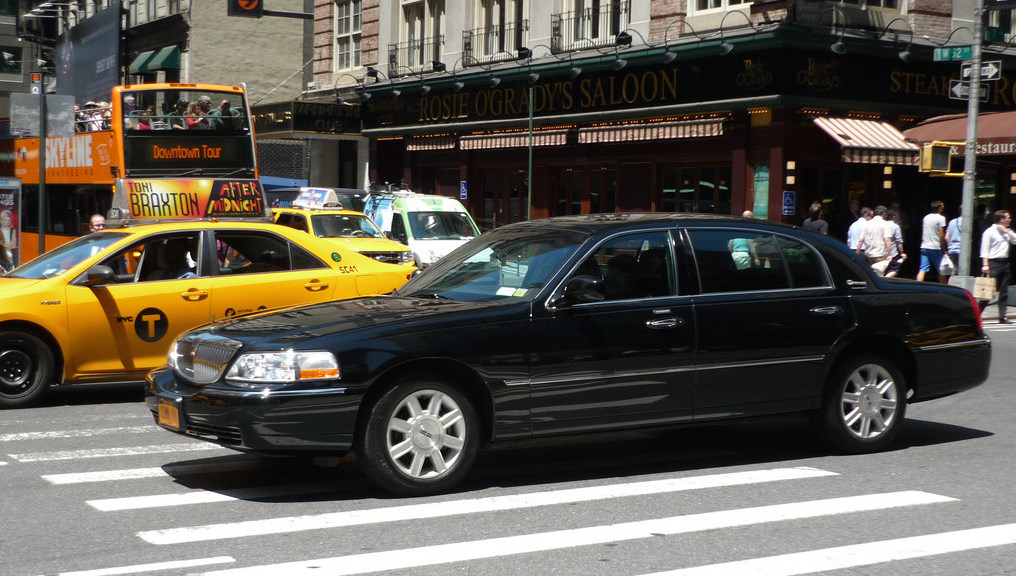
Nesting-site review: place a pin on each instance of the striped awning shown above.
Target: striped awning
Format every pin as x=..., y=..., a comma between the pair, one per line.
x=651, y=131
x=870, y=141
x=513, y=140
x=430, y=143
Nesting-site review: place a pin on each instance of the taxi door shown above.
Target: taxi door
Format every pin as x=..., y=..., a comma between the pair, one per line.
x=127, y=327
x=261, y=270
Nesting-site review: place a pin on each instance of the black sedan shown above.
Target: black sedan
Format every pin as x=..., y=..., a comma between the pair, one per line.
x=575, y=324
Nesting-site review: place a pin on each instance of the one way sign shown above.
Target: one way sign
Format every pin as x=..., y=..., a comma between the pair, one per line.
x=989, y=70
x=961, y=91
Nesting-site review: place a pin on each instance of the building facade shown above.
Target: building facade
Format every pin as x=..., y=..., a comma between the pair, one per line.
x=531, y=109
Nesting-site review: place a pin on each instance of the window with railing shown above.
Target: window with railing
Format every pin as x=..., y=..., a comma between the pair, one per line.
x=422, y=35
x=592, y=23
x=501, y=29
x=347, y=34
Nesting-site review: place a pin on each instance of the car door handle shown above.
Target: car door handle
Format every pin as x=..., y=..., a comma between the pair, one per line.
x=194, y=294
x=827, y=311
x=315, y=285
x=665, y=323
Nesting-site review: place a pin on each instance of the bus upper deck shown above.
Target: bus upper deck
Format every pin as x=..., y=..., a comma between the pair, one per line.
x=158, y=131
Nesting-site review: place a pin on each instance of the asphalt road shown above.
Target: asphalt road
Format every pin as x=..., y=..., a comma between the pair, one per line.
x=91, y=487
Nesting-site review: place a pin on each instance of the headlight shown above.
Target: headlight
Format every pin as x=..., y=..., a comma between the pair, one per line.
x=406, y=257
x=282, y=367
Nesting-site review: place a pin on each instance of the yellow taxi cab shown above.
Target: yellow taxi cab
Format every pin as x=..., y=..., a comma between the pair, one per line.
x=177, y=254
x=319, y=212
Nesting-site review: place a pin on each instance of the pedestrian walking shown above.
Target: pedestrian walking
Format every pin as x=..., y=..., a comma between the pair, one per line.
x=932, y=240
x=995, y=243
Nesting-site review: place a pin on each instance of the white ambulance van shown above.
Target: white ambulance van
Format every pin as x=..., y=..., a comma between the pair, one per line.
x=432, y=226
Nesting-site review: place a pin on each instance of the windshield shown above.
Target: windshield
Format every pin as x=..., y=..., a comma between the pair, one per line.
x=344, y=226
x=441, y=225
x=497, y=266
x=171, y=109
x=67, y=256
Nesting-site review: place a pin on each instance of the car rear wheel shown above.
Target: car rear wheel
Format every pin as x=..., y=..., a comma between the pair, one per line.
x=26, y=369
x=420, y=437
x=864, y=405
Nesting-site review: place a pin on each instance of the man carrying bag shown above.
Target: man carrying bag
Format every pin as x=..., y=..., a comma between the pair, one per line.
x=995, y=243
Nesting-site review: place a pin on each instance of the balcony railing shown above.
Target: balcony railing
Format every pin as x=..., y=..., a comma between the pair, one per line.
x=590, y=27
x=494, y=43
x=416, y=55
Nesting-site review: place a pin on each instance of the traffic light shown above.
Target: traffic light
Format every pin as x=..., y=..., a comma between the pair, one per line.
x=935, y=157
x=246, y=8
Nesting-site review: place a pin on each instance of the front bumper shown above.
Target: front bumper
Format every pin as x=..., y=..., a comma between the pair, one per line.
x=304, y=421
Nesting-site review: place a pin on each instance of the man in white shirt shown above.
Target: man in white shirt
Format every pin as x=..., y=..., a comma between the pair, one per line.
x=876, y=241
x=995, y=244
x=854, y=232
x=932, y=240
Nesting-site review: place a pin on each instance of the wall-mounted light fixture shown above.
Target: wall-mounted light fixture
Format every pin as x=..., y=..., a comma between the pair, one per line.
x=624, y=40
x=725, y=46
x=791, y=175
x=668, y=55
x=904, y=54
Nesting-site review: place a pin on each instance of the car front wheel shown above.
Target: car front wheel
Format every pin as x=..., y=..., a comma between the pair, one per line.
x=420, y=437
x=864, y=405
x=26, y=369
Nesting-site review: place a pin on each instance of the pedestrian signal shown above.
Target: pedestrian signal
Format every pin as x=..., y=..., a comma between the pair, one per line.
x=935, y=157
x=246, y=8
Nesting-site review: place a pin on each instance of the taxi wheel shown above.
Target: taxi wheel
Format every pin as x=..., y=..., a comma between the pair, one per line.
x=26, y=366
x=420, y=437
x=864, y=406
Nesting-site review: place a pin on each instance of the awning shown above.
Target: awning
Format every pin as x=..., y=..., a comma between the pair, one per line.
x=167, y=58
x=137, y=65
x=870, y=141
x=996, y=132
x=651, y=131
x=430, y=143
x=513, y=140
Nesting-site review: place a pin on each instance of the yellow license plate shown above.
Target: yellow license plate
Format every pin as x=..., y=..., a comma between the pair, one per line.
x=169, y=415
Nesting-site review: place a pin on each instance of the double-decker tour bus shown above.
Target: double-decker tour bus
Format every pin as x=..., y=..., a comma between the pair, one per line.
x=164, y=131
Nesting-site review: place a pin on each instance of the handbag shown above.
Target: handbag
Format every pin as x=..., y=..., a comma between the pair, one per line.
x=984, y=288
x=946, y=267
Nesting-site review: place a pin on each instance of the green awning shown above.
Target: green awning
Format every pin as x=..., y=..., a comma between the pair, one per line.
x=167, y=58
x=138, y=63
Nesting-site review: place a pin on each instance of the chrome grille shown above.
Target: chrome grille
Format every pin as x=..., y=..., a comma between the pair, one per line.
x=202, y=357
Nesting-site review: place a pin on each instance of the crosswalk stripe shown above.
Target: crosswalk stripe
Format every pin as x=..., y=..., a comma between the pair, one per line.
x=152, y=472
x=546, y=541
x=470, y=506
x=853, y=556
x=81, y=433
x=152, y=567
x=207, y=497
x=104, y=475
x=107, y=452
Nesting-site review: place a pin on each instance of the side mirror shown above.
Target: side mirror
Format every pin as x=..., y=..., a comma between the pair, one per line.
x=98, y=275
x=581, y=290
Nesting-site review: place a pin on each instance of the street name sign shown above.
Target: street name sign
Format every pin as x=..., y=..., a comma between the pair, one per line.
x=950, y=53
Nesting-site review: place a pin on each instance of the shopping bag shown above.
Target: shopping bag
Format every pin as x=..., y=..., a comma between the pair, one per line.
x=880, y=266
x=984, y=288
x=946, y=268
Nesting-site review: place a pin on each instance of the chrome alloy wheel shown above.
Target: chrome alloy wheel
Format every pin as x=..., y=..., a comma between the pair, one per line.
x=869, y=402
x=426, y=434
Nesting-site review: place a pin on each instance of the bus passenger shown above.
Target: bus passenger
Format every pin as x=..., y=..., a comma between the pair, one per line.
x=196, y=119
x=178, y=118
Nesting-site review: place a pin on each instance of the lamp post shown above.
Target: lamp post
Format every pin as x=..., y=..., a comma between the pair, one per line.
x=37, y=84
x=970, y=160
